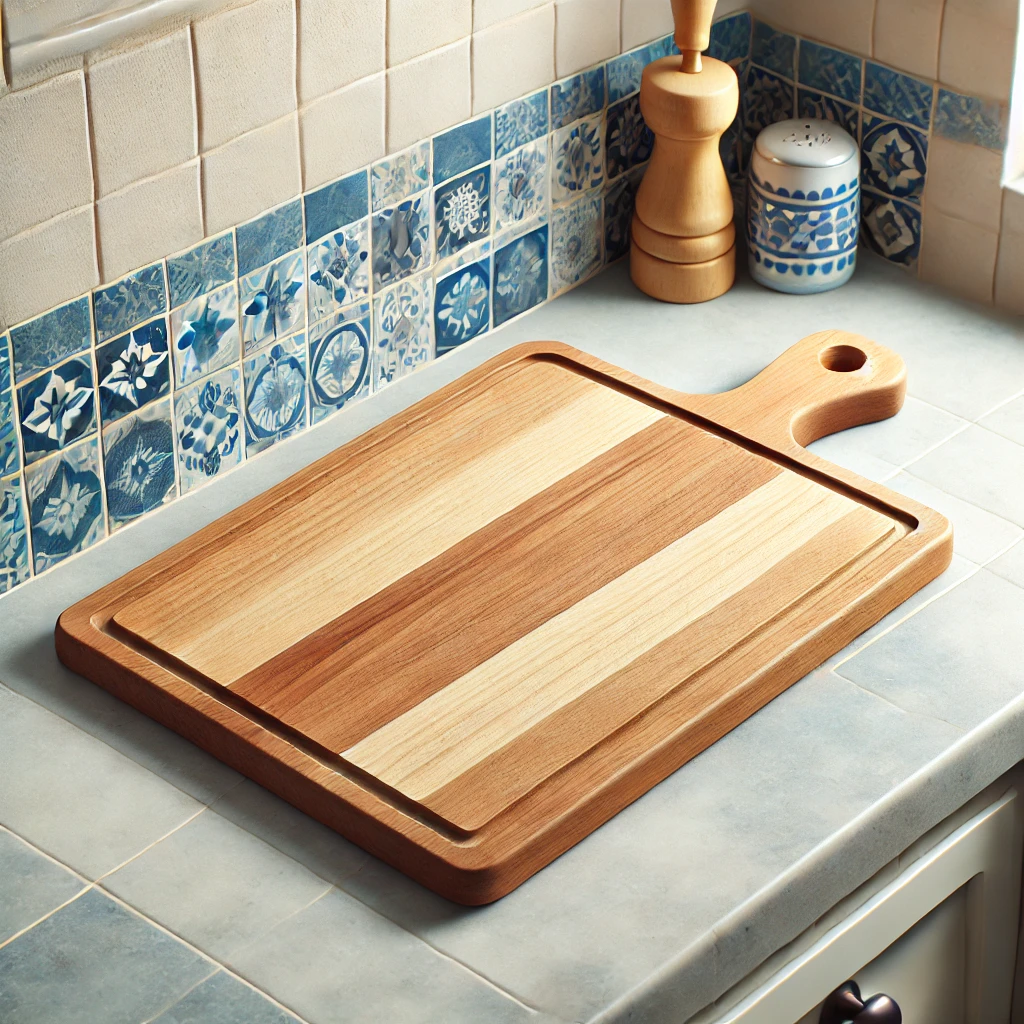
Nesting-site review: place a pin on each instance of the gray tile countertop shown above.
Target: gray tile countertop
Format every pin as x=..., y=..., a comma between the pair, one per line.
x=141, y=880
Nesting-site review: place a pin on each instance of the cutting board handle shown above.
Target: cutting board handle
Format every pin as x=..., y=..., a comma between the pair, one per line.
x=828, y=382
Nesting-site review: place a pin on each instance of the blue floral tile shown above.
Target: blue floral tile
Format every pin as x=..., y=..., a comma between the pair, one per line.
x=520, y=122
x=577, y=96
x=730, y=38
x=896, y=95
x=894, y=158
x=138, y=463
x=120, y=306
x=205, y=334
x=275, y=393
x=460, y=148
x=269, y=237
x=816, y=104
x=462, y=306
x=272, y=301
x=5, y=362
x=65, y=503
x=339, y=360
x=335, y=205
x=13, y=535
x=577, y=155
x=462, y=211
x=971, y=119
x=628, y=140
x=765, y=99
x=521, y=185
x=398, y=176
x=208, y=428
x=828, y=70
x=401, y=240
x=773, y=50
x=520, y=279
x=57, y=408
x=403, y=329
x=198, y=271
x=576, y=234
x=891, y=228
x=10, y=459
x=625, y=71
x=133, y=370
x=619, y=199
x=51, y=338
x=339, y=269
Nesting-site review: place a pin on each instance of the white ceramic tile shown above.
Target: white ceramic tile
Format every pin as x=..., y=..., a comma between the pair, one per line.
x=142, y=105
x=513, y=57
x=490, y=12
x=964, y=181
x=251, y=174
x=428, y=94
x=342, y=131
x=644, y=20
x=1009, y=292
x=340, y=41
x=148, y=219
x=978, y=40
x=29, y=284
x=45, y=168
x=586, y=31
x=842, y=23
x=245, y=69
x=417, y=26
x=906, y=35
x=958, y=256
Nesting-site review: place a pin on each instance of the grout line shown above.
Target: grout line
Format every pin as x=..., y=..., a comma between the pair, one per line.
x=178, y=998
x=42, y=853
x=146, y=849
x=939, y=444
x=17, y=935
x=1004, y=402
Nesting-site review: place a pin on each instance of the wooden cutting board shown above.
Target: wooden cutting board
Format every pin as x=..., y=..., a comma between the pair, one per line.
x=469, y=637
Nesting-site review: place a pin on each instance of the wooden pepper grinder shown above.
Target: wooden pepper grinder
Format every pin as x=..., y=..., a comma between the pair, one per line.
x=683, y=240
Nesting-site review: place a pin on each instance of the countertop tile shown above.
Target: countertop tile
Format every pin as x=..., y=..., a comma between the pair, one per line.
x=223, y=999
x=1010, y=565
x=1007, y=420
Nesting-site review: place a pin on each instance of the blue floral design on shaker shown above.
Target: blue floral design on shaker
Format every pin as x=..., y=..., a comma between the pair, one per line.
x=275, y=398
x=461, y=306
x=57, y=408
x=139, y=463
x=209, y=431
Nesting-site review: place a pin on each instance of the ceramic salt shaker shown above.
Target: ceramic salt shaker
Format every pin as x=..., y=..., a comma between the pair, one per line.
x=803, y=206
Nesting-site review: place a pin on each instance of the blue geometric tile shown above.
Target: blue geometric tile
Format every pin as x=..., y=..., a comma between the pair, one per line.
x=275, y=393
x=577, y=155
x=460, y=148
x=730, y=38
x=138, y=463
x=50, y=338
x=619, y=199
x=5, y=362
x=223, y=999
x=336, y=205
x=65, y=503
x=339, y=360
x=577, y=231
x=13, y=537
x=773, y=50
x=198, y=271
x=401, y=240
x=403, y=329
x=272, y=301
x=462, y=306
x=628, y=140
x=891, y=228
x=205, y=334
x=400, y=175
x=520, y=122
x=462, y=211
x=269, y=237
x=625, y=71
x=339, y=269
x=57, y=408
x=828, y=70
x=521, y=185
x=10, y=459
x=577, y=96
x=815, y=104
x=894, y=158
x=970, y=119
x=765, y=99
x=896, y=95
x=120, y=306
x=208, y=420
x=133, y=370
x=520, y=279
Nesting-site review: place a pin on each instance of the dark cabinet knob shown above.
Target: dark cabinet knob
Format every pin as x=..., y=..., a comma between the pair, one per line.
x=845, y=1006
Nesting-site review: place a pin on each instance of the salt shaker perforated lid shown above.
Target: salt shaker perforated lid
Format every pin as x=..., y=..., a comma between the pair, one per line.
x=806, y=143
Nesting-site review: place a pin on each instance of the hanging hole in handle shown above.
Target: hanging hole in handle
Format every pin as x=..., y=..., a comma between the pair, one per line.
x=843, y=358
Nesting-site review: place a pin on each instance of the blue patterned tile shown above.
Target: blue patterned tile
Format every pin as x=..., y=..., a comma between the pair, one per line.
x=51, y=338
x=133, y=370
x=335, y=205
x=57, y=408
x=339, y=269
x=462, y=306
x=13, y=535
x=577, y=231
x=815, y=104
x=205, y=334
x=521, y=185
x=403, y=334
x=120, y=306
x=773, y=50
x=65, y=503
x=198, y=271
x=401, y=240
x=892, y=228
x=138, y=463
x=897, y=95
x=894, y=158
x=462, y=211
x=10, y=459
x=5, y=362
x=625, y=71
x=970, y=119
x=208, y=418
x=520, y=279
x=730, y=38
x=269, y=237
x=520, y=122
x=765, y=99
x=460, y=148
x=275, y=393
x=619, y=199
x=628, y=140
x=577, y=96
x=828, y=70
x=577, y=157
x=340, y=355
x=272, y=301
x=398, y=176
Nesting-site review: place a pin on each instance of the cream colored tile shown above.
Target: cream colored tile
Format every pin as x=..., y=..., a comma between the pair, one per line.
x=513, y=57
x=148, y=219
x=1009, y=292
x=45, y=167
x=1013, y=208
x=644, y=20
x=428, y=94
x=342, y=131
x=251, y=174
x=958, y=256
x=976, y=55
x=586, y=31
x=490, y=12
x=907, y=35
x=142, y=105
x=417, y=26
x=964, y=181
x=340, y=41
x=48, y=264
x=245, y=69
x=842, y=23
x=724, y=7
